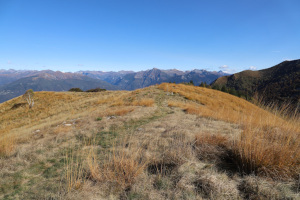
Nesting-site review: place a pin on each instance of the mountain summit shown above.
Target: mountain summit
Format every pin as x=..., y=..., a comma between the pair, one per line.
x=278, y=84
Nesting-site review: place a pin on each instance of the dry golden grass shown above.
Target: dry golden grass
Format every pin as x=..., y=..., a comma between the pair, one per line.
x=211, y=147
x=120, y=168
x=211, y=139
x=109, y=99
x=7, y=145
x=270, y=142
x=47, y=104
x=190, y=108
x=52, y=108
x=226, y=107
x=143, y=102
x=268, y=152
x=155, y=152
x=117, y=102
x=74, y=172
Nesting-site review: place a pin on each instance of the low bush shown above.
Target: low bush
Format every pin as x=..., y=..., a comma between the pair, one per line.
x=75, y=90
x=18, y=105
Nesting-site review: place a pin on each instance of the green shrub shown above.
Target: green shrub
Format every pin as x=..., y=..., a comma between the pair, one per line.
x=216, y=87
x=75, y=90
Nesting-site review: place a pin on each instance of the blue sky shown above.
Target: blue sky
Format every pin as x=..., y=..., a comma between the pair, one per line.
x=113, y=35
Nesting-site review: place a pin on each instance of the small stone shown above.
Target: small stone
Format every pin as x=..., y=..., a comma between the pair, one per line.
x=111, y=117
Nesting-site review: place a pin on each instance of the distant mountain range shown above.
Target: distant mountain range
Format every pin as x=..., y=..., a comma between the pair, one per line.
x=15, y=82
x=280, y=83
x=277, y=84
x=8, y=76
x=128, y=80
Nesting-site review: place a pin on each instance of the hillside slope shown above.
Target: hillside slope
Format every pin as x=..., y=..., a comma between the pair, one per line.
x=170, y=141
x=51, y=81
x=278, y=84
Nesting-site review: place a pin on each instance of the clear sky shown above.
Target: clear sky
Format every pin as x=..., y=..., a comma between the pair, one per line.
x=112, y=35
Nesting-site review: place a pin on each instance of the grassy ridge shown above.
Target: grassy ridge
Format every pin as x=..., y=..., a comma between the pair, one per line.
x=163, y=142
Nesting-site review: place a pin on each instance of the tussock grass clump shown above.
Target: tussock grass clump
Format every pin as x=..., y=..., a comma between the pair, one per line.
x=210, y=139
x=268, y=152
x=211, y=147
x=74, y=171
x=253, y=187
x=270, y=142
x=120, y=168
x=258, y=150
x=211, y=185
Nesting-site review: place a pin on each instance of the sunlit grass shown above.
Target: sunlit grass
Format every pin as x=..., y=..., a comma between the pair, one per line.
x=148, y=143
x=119, y=167
x=7, y=145
x=144, y=102
x=270, y=141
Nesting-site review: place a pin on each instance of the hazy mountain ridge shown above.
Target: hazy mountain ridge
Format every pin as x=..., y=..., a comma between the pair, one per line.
x=280, y=83
x=11, y=75
x=15, y=82
x=129, y=80
x=109, y=77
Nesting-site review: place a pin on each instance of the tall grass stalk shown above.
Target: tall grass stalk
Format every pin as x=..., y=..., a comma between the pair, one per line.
x=75, y=174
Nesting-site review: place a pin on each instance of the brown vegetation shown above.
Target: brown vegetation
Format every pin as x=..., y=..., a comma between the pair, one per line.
x=270, y=141
x=194, y=143
x=7, y=145
x=143, y=102
x=119, y=168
